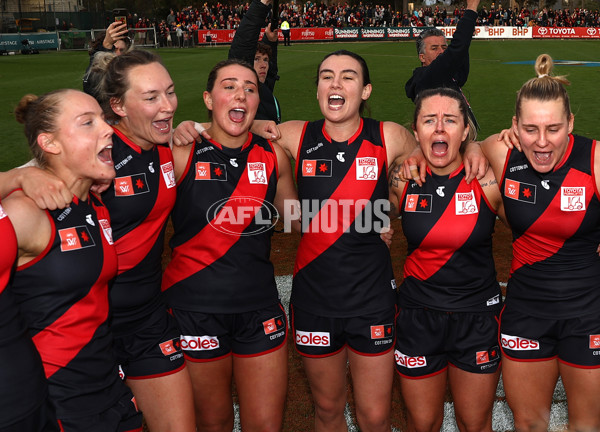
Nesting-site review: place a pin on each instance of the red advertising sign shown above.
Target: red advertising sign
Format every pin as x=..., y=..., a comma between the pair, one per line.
x=566, y=32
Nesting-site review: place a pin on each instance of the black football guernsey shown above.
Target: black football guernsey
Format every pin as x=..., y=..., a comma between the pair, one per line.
x=555, y=220
x=139, y=200
x=448, y=225
x=222, y=222
x=23, y=386
x=343, y=268
x=63, y=297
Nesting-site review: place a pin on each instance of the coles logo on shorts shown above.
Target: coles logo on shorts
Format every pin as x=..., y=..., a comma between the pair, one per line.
x=273, y=325
x=382, y=331
x=199, y=343
x=366, y=168
x=517, y=343
x=170, y=347
x=409, y=362
x=594, y=341
x=312, y=338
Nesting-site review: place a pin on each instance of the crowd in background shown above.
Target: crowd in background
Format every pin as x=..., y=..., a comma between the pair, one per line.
x=179, y=27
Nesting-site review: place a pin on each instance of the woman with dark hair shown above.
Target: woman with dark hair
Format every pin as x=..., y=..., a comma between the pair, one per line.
x=66, y=260
x=220, y=282
x=343, y=301
x=450, y=300
x=549, y=325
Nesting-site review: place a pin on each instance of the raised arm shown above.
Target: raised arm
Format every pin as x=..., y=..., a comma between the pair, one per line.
x=246, y=36
x=45, y=189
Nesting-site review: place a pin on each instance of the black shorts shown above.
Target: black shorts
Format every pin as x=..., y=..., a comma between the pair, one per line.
x=123, y=416
x=206, y=337
x=42, y=419
x=153, y=350
x=574, y=341
x=428, y=341
x=318, y=336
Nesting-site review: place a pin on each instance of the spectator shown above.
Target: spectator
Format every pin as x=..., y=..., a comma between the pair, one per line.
x=443, y=66
x=114, y=40
x=263, y=56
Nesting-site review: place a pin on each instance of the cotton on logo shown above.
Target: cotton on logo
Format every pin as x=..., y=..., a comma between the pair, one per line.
x=594, y=341
x=199, y=343
x=312, y=338
x=517, y=343
x=409, y=362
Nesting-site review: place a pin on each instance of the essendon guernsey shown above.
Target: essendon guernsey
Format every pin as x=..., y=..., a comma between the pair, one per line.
x=342, y=265
x=139, y=200
x=22, y=382
x=555, y=220
x=63, y=297
x=222, y=222
x=448, y=225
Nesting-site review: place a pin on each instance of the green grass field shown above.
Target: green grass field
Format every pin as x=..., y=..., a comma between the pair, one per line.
x=491, y=88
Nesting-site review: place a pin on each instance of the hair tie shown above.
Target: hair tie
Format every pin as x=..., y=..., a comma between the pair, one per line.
x=542, y=75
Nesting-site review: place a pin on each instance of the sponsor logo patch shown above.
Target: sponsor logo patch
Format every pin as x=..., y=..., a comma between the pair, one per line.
x=409, y=362
x=572, y=198
x=75, y=238
x=257, y=174
x=418, y=203
x=168, y=174
x=366, y=168
x=482, y=357
x=131, y=185
x=106, y=230
x=169, y=347
x=199, y=343
x=316, y=168
x=520, y=191
x=273, y=325
x=465, y=203
x=312, y=338
x=594, y=341
x=211, y=171
x=517, y=343
x=382, y=331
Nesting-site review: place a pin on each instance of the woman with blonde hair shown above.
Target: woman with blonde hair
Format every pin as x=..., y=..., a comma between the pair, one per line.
x=549, y=325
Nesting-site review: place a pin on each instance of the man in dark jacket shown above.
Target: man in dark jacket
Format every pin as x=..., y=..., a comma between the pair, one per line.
x=263, y=55
x=443, y=65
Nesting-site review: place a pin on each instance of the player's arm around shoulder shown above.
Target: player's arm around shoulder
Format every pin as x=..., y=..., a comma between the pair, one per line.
x=399, y=142
x=31, y=225
x=491, y=190
x=286, y=198
x=495, y=152
x=291, y=133
x=396, y=189
x=181, y=156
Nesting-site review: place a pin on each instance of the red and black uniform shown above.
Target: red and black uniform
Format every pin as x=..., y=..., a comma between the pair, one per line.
x=139, y=200
x=450, y=299
x=555, y=220
x=23, y=386
x=448, y=225
x=343, y=268
x=222, y=221
x=552, y=300
x=63, y=296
